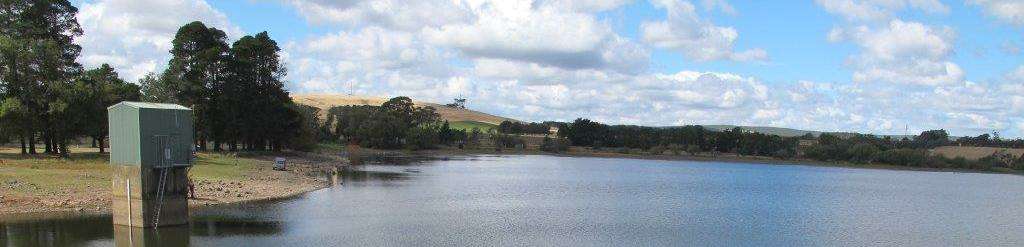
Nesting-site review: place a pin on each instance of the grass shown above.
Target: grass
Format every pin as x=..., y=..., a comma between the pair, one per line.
x=42, y=174
x=87, y=170
x=469, y=125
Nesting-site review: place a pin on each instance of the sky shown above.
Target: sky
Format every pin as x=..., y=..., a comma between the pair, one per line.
x=870, y=66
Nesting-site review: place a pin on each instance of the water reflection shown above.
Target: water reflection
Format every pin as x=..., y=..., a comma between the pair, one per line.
x=219, y=227
x=98, y=231
x=55, y=232
x=146, y=237
x=352, y=176
x=396, y=158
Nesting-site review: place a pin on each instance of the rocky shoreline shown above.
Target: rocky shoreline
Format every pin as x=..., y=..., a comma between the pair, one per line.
x=254, y=184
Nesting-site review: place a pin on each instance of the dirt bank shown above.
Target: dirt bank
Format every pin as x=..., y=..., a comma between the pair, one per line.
x=43, y=184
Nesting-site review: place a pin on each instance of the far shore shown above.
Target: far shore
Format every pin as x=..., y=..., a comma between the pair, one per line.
x=576, y=152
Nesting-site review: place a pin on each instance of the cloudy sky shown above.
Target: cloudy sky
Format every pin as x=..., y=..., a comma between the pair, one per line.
x=873, y=66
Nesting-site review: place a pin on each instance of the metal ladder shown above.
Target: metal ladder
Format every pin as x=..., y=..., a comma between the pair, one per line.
x=161, y=186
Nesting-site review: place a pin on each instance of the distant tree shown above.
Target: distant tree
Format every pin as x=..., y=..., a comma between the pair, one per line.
x=396, y=123
x=473, y=137
x=583, y=132
x=307, y=134
x=931, y=139
x=693, y=149
x=157, y=89
x=98, y=89
x=554, y=145
x=863, y=153
x=423, y=136
x=457, y=103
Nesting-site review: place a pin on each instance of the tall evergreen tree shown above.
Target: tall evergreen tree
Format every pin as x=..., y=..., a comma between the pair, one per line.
x=255, y=101
x=38, y=63
x=198, y=63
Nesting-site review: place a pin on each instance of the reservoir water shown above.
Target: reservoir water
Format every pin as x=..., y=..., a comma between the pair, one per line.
x=566, y=201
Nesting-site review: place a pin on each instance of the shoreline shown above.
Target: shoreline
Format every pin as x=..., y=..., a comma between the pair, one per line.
x=255, y=182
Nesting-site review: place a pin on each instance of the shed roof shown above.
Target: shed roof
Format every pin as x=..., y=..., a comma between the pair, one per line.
x=149, y=105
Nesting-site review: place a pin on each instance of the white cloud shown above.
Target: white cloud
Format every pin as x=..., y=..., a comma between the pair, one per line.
x=363, y=60
x=406, y=15
x=696, y=38
x=523, y=31
x=722, y=5
x=878, y=10
x=584, y=5
x=556, y=60
x=1017, y=75
x=135, y=36
x=1009, y=11
x=902, y=52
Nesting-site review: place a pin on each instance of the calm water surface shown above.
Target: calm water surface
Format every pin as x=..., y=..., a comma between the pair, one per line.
x=544, y=200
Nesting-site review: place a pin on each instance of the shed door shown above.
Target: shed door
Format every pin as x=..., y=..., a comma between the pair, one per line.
x=165, y=150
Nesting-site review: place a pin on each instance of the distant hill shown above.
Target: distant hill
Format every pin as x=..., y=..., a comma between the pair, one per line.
x=326, y=101
x=466, y=118
x=786, y=132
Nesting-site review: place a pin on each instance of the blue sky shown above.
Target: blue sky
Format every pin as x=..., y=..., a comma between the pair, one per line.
x=798, y=36
x=874, y=66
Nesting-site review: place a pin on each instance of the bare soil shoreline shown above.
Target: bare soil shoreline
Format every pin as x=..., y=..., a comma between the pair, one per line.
x=217, y=180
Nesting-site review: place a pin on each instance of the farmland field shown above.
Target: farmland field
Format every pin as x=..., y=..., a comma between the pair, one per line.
x=469, y=125
x=973, y=153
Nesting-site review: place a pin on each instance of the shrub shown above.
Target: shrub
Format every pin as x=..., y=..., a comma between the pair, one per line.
x=693, y=149
x=783, y=154
x=862, y=153
x=903, y=157
x=554, y=145
x=422, y=137
x=675, y=149
x=657, y=150
x=507, y=141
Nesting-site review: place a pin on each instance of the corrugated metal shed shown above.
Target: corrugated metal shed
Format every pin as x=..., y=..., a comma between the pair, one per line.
x=150, y=134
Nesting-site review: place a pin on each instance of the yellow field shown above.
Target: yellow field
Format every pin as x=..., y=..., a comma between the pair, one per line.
x=326, y=101
x=973, y=153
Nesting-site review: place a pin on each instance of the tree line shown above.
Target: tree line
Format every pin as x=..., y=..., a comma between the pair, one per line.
x=236, y=92
x=907, y=151
x=855, y=148
x=690, y=138
x=397, y=123
x=515, y=127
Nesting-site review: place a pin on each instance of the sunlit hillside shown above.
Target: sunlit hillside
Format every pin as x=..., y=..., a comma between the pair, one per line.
x=326, y=101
